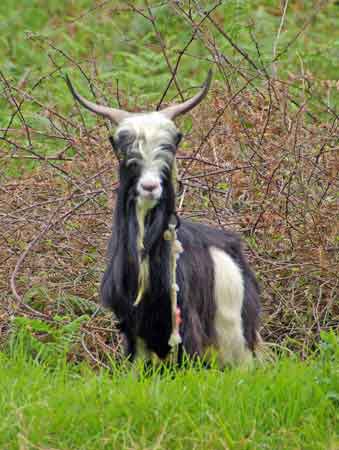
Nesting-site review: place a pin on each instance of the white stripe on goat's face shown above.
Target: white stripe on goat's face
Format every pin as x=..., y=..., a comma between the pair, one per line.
x=149, y=141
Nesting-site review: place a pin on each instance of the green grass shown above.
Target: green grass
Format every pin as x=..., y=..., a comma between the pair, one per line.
x=37, y=38
x=285, y=405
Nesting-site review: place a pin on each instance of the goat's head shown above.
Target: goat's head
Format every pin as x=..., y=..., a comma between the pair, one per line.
x=146, y=142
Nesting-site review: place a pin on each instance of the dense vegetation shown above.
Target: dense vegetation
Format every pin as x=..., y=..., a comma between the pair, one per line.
x=260, y=155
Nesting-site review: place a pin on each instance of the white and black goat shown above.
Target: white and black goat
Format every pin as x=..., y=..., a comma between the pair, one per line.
x=218, y=295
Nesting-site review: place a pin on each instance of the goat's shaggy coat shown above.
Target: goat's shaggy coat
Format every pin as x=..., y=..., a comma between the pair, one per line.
x=218, y=295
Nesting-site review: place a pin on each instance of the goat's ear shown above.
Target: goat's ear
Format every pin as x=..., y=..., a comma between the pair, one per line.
x=115, y=148
x=111, y=139
x=178, y=139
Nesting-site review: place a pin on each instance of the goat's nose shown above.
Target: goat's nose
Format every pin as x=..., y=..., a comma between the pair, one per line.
x=149, y=186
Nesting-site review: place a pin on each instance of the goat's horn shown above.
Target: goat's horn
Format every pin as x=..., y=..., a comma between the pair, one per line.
x=115, y=115
x=175, y=110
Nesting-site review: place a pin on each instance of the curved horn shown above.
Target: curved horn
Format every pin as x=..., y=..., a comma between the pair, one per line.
x=115, y=115
x=175, y=110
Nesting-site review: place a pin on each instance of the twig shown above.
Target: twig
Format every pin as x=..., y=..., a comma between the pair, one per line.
x=275, y=43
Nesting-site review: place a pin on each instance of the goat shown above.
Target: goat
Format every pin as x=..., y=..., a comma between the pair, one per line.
x=218, y=295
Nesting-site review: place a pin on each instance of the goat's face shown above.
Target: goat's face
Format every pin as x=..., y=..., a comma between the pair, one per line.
x=147, y=144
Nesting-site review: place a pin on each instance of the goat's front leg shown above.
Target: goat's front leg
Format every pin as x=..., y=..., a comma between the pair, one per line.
x=145, y=361
x=129, y=341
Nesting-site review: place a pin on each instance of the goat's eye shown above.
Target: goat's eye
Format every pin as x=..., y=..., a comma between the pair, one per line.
x=168, y=148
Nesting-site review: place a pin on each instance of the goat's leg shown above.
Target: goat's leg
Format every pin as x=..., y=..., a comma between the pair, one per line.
x=130, y=346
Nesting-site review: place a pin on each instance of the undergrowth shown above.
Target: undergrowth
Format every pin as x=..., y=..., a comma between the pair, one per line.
x=260, y=155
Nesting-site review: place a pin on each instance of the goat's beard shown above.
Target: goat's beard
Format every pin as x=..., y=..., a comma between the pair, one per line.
x=155, y=223
x=130, y=232
x=151, y=220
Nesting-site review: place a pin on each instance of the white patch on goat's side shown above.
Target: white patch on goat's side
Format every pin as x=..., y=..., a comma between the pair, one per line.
x=229, y=295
